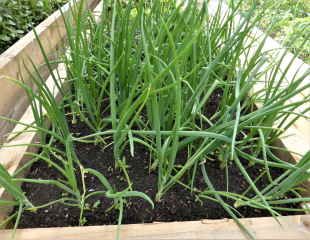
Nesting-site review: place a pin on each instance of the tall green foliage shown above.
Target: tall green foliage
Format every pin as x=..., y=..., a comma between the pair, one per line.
x=144, y=73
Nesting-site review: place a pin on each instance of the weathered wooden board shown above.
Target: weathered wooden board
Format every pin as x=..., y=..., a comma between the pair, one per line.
x=266, y=228
x=15, y=61
x=13, y=153
x=296, y=138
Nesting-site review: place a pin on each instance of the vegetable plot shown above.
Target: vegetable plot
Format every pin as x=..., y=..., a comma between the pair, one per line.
x=156, y=112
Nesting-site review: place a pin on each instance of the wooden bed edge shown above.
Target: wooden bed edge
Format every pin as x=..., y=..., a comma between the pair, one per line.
x=275, y=50
x=15, y=63
x=15, y=156
x=15, y=49
x=264, y=228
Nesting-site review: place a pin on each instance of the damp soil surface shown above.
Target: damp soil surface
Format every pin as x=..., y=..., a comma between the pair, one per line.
x=178, y=204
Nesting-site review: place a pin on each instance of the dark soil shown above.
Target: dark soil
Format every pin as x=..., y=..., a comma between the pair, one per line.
x=176, y=205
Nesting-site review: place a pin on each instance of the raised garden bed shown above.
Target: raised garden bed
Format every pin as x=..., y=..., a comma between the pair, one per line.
x=114, y=155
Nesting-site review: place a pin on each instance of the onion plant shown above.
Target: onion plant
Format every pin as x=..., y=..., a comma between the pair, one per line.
x=145, y=73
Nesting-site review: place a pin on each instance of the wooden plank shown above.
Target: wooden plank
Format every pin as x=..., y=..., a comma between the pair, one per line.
x=13, y=156
x=10, y=157
x=293, y=228
x=296, y=138
x=15, y=61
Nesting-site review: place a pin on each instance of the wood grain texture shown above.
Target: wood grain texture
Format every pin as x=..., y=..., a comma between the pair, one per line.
x=296, y=138
x=293, y=228
x=15, y=61
x=13, y=153
x=13, y=156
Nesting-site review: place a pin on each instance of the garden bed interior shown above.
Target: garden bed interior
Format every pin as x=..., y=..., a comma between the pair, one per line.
x=179, y=203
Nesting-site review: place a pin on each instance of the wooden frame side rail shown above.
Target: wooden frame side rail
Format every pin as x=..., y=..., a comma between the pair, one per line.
x=14, y=63
x=265, y=228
